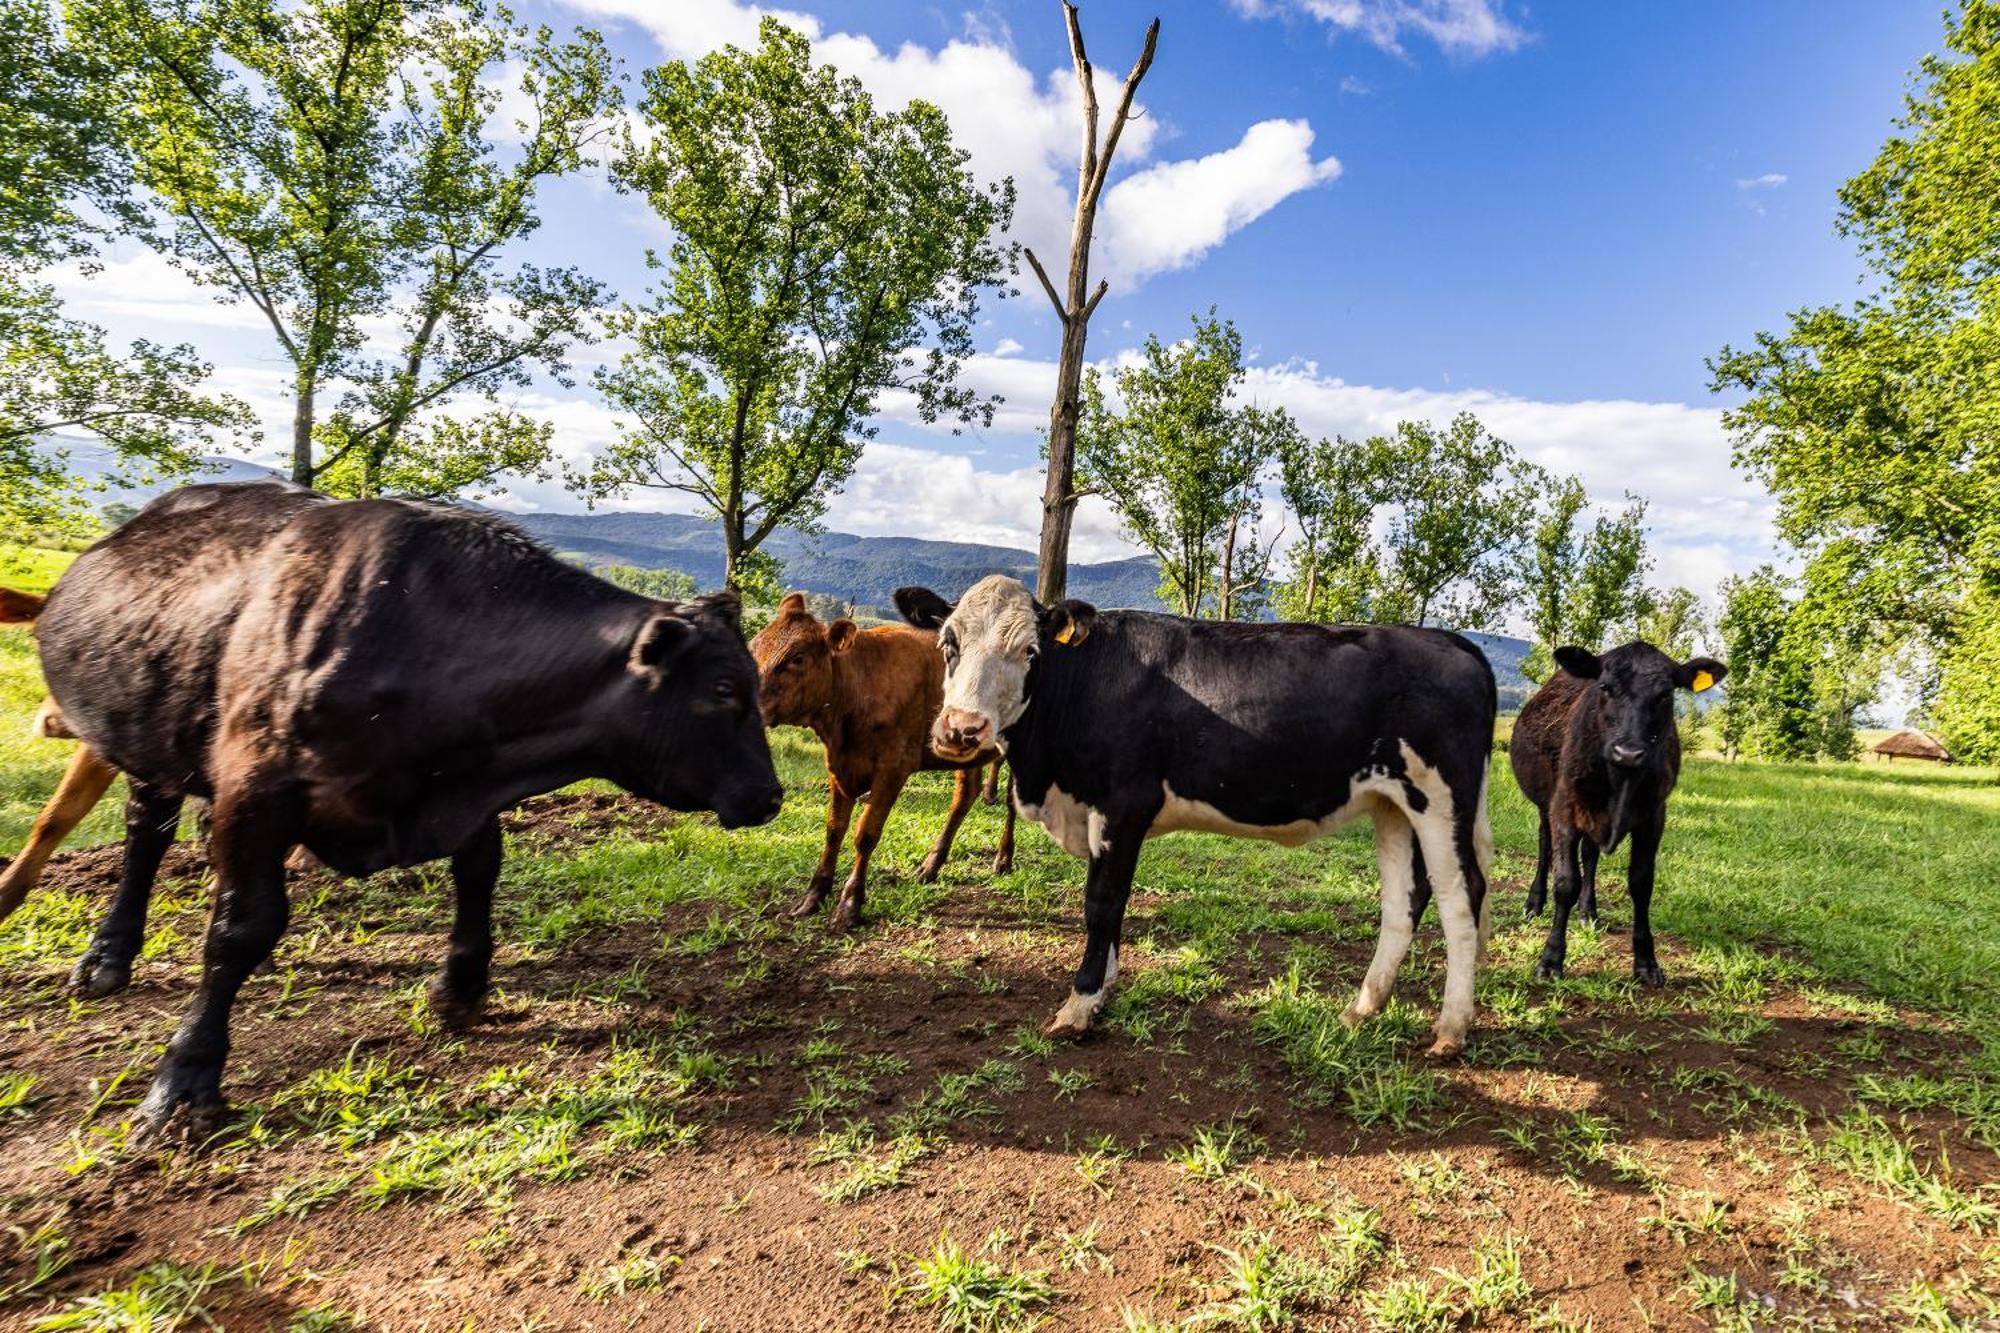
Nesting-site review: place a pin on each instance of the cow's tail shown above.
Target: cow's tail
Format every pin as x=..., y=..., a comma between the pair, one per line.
x=83, y=786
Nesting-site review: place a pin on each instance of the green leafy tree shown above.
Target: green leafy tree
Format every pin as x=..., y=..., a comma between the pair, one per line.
x=1873, y=424
x=62, y=179
x=333, y=164
x=669, y=585
x=1671, y=620
x=1966, y=711
x=1794, y=688
x=824, y=254
x=1179, y=456
x=1463, y=502
x=1332, y=488
x=1582, y=586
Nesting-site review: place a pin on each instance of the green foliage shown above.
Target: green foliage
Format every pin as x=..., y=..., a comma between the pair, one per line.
x=1179, y=463
x=1794, y=687
x=1582, y=587
x=1872, y=424
x=1966, y=711
x=969, y=1294
x=824, y=254
x=1332, y=488
x=668, y=585
x=333, y=163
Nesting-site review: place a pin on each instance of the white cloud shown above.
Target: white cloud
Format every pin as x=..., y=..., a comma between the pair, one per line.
x=1007, y=347
x=1770, y=180
x=1169, y=216
x=1467, y=29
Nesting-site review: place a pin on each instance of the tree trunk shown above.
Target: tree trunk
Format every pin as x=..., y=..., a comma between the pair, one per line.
x=1225, y=591
x=302, y=429
x=1074, y=307
x=1312, y=583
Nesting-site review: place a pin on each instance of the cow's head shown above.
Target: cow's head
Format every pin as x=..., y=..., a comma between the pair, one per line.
x=794, y=656
x=992, y=642
x=1633, y=697
x=685, y=723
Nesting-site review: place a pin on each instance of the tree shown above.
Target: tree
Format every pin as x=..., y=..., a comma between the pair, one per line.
x=1584, y=587
x=1966, y=711
x=824, y=254
x=668, y=585
x=1671, y=620
x=1463, y=498
x=1075, y=305
x=1333, y=488
x=332, y=164
x=61, y=188
x=1176, y=461
x=1873, y=423
x=1793, y=691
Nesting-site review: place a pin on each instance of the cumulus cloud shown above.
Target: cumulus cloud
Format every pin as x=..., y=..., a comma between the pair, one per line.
x=1170, y=215
x=1016, y=124
x=1770, y=180
x=1464, y=29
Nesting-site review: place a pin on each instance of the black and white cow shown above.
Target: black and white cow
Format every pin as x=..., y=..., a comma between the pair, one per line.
x=1126, y=725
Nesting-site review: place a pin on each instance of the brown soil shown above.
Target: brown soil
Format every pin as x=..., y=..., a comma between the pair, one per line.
x=739, y=1221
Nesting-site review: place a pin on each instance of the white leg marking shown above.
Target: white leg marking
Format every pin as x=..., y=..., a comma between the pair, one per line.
x=1077, y=1012
x=1392, y=859
x=1461, y=932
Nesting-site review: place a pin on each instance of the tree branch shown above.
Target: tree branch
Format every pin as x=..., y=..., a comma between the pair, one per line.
x=1047, y=286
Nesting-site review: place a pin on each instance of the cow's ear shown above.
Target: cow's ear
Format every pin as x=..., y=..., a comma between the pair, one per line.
x=841, y=634
x=1579, y=662
x=725, y=604
x=922, y=607
x=659, y=641
x=793, y=605
x=18, y=607
x=1699, y=673
x=1069, y=622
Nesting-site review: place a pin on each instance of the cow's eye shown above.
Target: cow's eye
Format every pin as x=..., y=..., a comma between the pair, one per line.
x=796, y=660
x=725, y=690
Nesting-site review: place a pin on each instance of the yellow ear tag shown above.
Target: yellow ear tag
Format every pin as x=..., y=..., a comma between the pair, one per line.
x=1702, y=680
x=1067, y=634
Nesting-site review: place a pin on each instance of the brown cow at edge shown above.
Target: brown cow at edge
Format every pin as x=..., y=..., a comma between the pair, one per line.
x=869, y=695
x=1597, y=752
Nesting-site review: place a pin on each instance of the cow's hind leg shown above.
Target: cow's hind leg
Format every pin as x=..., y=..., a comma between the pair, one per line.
x=839, y=811
x=152, y=818
x=1396, y=856
x=459, y=989
x=1449, y=838
x=993, y=782
x=1567, y=888
x=1003, y=855
x=83, y=785
x=1105, y=891
x=1586, y=903
x=250, y=843
x=1538, y=890
x=882, y=794
x=964, y=791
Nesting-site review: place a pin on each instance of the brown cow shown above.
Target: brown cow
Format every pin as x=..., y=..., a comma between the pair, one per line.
x=869, y=695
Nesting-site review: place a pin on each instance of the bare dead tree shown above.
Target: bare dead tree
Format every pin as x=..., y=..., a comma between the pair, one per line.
x=1074, y=307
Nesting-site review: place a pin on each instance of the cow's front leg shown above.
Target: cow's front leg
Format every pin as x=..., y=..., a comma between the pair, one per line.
x=839, y=810
x=854, y=894
x=1105, y=890
x=1538, y=890
x=1645, y=858
x=152, y=818
x=1003, y=856
x=1586, y=903
x=965, y=790
x=250, y=842
x=1568, y=885
x=458, y=991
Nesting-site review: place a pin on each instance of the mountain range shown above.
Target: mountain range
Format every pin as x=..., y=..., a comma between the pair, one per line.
x=860, y=570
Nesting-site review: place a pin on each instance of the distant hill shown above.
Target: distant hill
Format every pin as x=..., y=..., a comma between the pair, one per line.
x=861, y=570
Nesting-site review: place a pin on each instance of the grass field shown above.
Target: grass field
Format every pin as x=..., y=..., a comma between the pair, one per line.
x=687, y=1111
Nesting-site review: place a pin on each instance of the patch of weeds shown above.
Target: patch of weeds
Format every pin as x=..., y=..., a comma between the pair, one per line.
x=1182, y=977
x=1863, y=1145
x=1097, y=1163
x=634, y=1272
x=1975, y=1100
x=969, y=1294
x=1708, y=1218
x=1729, y=1095
x=480, y=1163
x=1582, y=1139
x=1080, y=1250
x=1410, y=1305
x=160, y=1298
x=870, y=1169
x=1432, y=1179
x=1270, y=1287
x=294, y=1199
x=47, y=1252
x=324, y=1319
x=1628, y=1166
x=1030, y=1042
x=1729, y=1310
x=1069, y=1082
x=1924, y=1307
x=1215, y=1151
x=1496, y=1285
x=957, y=1097
x=14, y=1090
x=1360, y=1067
x=355, y=1104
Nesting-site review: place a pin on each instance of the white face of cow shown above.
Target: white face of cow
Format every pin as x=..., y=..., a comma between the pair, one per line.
x=989, y=643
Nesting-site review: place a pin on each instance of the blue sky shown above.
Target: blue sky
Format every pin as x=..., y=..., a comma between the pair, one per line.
x=1549, y=215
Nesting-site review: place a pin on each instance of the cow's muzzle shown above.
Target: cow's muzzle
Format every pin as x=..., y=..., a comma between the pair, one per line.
x=1628, y=756
x=959, y=734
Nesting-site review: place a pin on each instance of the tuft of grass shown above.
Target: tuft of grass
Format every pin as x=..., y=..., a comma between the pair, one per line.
x=1496, y=1285
x=1215, y=1151
x=1069, y=1082
x=969, y=1294
x=1410, y=1305
x=1866, y=1147
x=1361, y=1069
x=870, y=1170
x=160, y=1298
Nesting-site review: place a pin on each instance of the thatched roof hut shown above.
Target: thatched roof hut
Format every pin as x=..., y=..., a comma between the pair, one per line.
x=1912, y=745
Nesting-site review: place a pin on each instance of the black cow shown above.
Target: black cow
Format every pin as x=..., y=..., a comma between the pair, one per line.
x=1597, y=752
x=376, y=680
x=1124, y=725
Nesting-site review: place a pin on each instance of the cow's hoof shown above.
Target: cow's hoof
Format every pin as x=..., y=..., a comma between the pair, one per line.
x=1444, y=1048
x=927, y=873
x=454, y=1011
x=1648, y=974
x=1073, y=1019
x=1533, y=908
x=846, y=916
x=1003, y=863
x=182, y=1109
x=95, y=977
x=1353, y=1016
x=1548, y=971
x=807, y=905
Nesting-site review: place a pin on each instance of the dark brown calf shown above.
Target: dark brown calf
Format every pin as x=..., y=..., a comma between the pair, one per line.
x=869, y=695
x=1596, y=750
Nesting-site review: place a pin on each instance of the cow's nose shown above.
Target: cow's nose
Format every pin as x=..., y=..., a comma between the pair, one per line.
x=1627, y=756
x=963, y=731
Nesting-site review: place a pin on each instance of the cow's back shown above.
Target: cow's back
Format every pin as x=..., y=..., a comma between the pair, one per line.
x=134, y=629
x=1536, y=749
